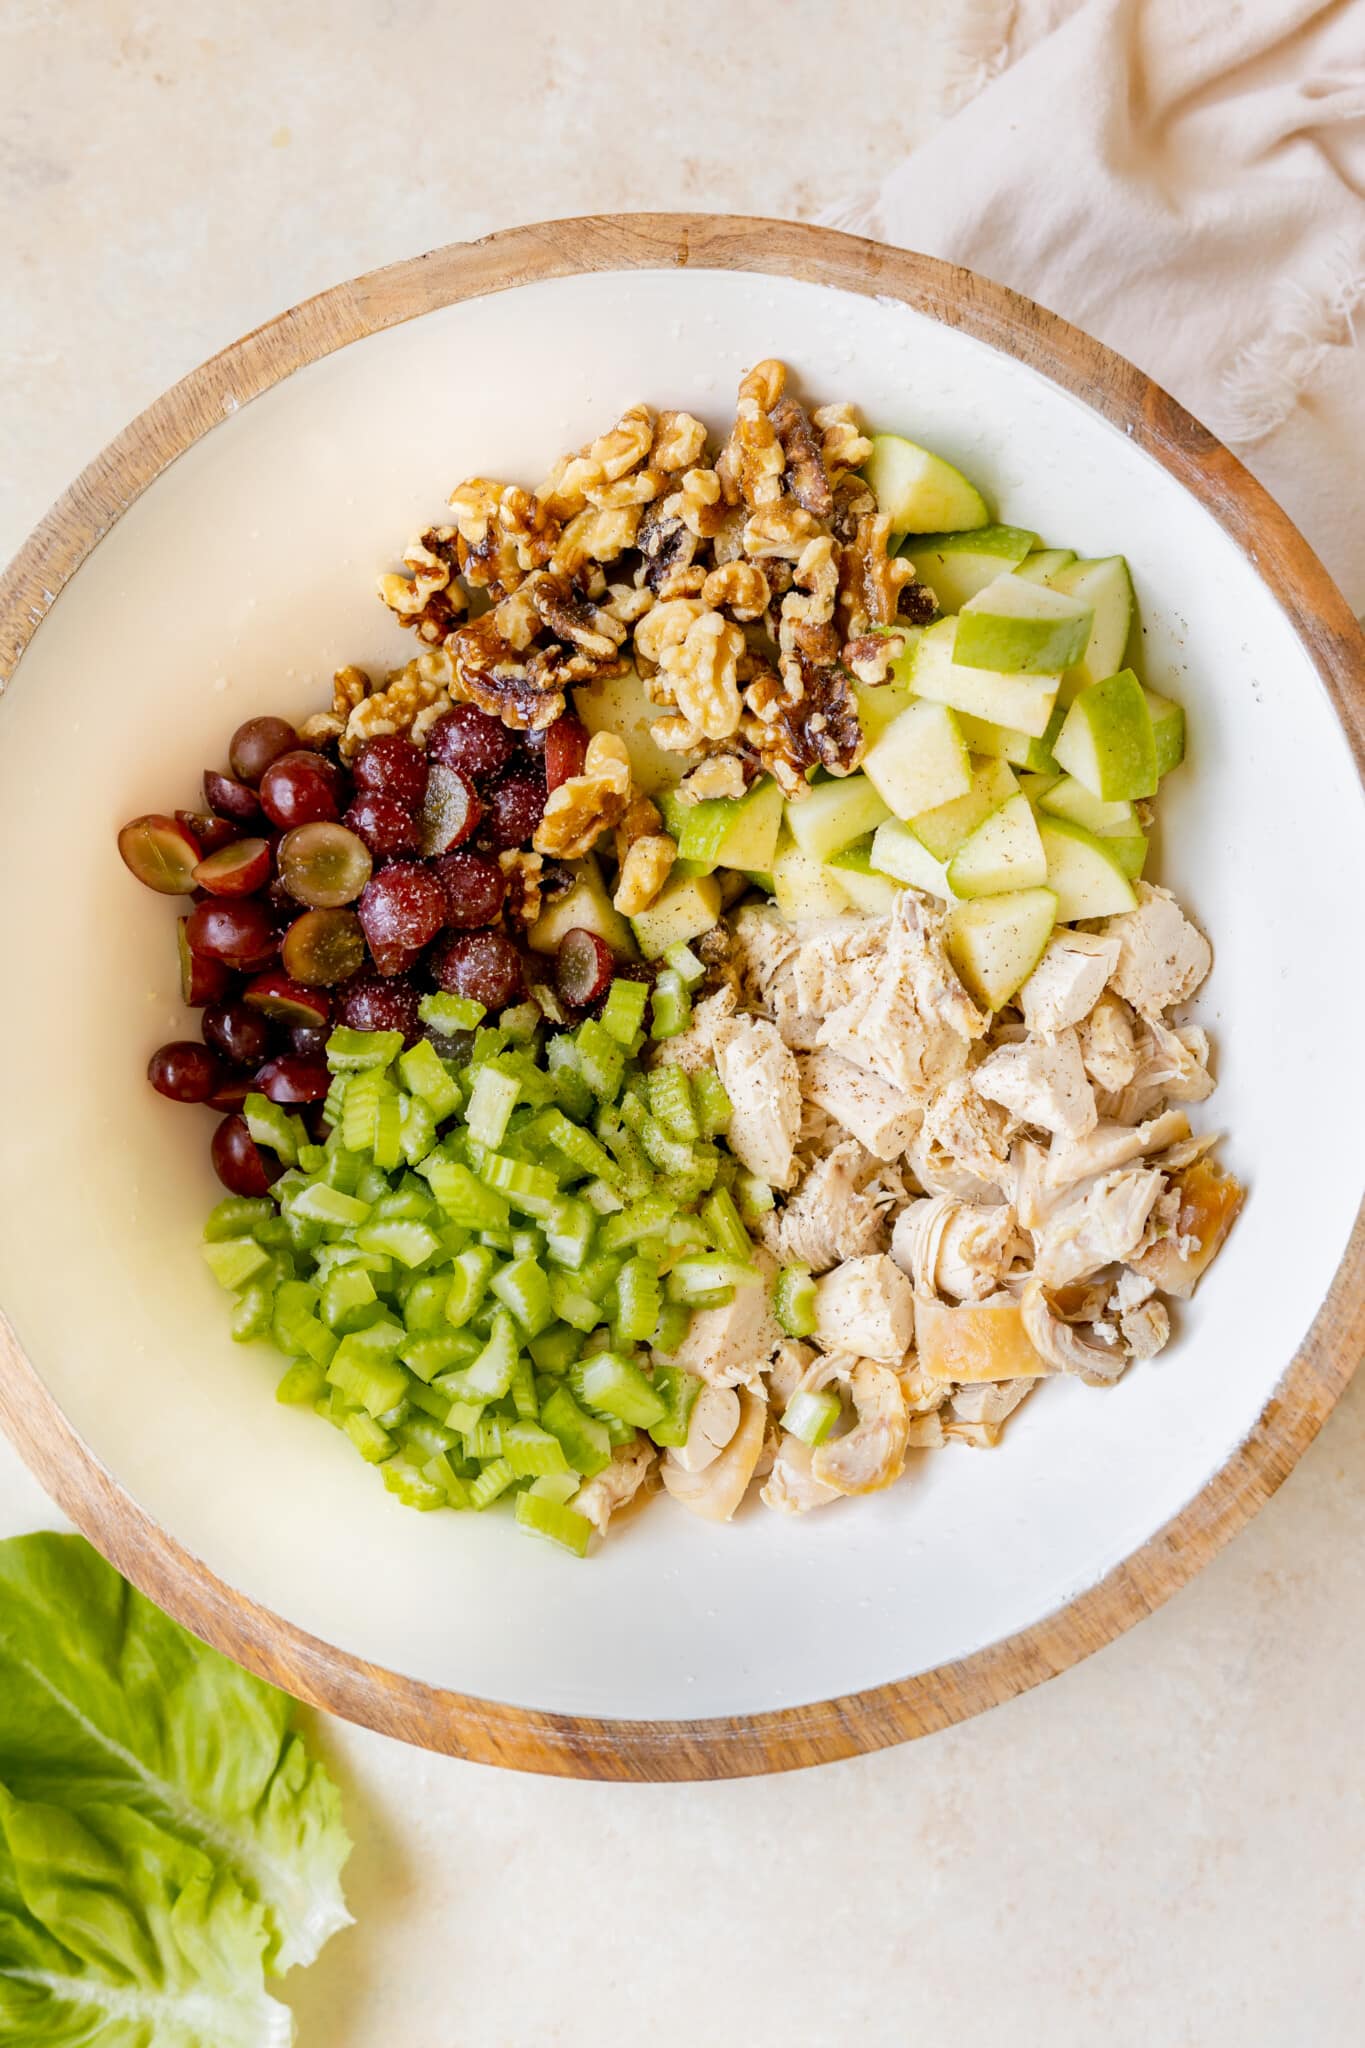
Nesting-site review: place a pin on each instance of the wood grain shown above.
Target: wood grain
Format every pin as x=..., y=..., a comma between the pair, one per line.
x=1313, y=1380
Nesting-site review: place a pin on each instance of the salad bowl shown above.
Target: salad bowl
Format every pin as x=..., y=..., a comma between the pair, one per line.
x=219, y=560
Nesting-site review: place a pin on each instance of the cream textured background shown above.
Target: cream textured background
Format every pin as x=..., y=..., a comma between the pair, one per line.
x=1163, y=1849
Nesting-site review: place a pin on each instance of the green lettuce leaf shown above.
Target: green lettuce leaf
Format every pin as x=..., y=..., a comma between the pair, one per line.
x=116, y=1934
x=104, y=1700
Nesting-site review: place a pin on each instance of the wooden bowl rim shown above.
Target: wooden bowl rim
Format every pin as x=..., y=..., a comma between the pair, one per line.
x=581, y=1746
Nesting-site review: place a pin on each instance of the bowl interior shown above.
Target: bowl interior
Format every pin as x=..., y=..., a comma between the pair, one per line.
x=235, y=585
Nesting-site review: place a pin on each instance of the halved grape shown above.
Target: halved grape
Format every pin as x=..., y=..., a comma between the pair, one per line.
x=566, y=748
x=301, y=788
x=161, y=853
x=231, y=1092
x=371, y=1004
x=485, y=966
x=239, y=869
x=475, y=889
x=230, y=798
x=239, y=932
x=278, y=996
x=257, y=743
x=324, y=865
x=237, y=1031
x=402, y=908
x=469, y=739
x=238, y=1160
x=184, y=1071
x=309, y=1040
x=202, y=979
x=323, y=947
x=207, y=831
x=515, y=808
x=450, y=810
x=391, y=766
x=584, y=966
x=386, y=828
x=291, y=1079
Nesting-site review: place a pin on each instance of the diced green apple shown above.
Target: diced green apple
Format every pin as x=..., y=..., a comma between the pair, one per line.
x=1044, y=563
x=919, y=761
x=1022, y=628
x=1107, y=588
x=995, y=942
x=804, y=888
x=895, y=851
x=685, y=907
x=880, y=703
x=586, y=904
x=944, y=828
x=1020, y=749
x=1004, y=854
x=867, y=890
x=1129, y=850
x=833, y=814
x=1168, y=731
x=1024, y=703
x=920, y=492
x=1071, y=799
x=1036, y=786
x=731, y=832
x=1107, y=741
x=621, y=705
x=1087, y=879
x=956, y=565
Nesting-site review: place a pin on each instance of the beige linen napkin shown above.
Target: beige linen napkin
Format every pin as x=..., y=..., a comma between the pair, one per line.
x=1186, y=180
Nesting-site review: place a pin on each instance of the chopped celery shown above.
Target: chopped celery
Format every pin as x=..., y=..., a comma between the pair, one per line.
x=563, y=1525
x=235, y=1260
x=463, y=1198
x=532, y=1452
x=707, y=1278
x=237, y=1216
x=312, y=1158
x=469, y=1277
x=678, y=1390
x=811, y=1416
x=647, y=1218
x=569, y=1231
x=334, y=1101
x=360, y=1113
x=532, y=1188
x=753, y=1198
x=638, y=1298
x=304, y=1383
x=491, y=1102
x=373, y=1443
x=424, y=1438
x=624, y=1010
x=424, y=1311
x=615, y=1385
x=449, y=1014
x=571, y=1305
x=351, y=1052
x=583, y=1438
x=523, y=1288
x=271, y=1125
x=417, y=1128
x=348, y=1294
x=319, y=1203
x=684, y=964
x=579, y=1146
x=522, y=1392
x=602, y=1199
x=520, y=1022
x=723, y=1225
x=410, y=1243
x=442, y=1351
x=670, y=1098
x=371, y=1383
x=713, y=1104
x=251, y=1317
x=425, y=1074
x=671, y=1005
x=494, y=1479
x=555, y=1349
x=411, y=1485
x=388, y=1131
x=442, y=1473
x=601, y=1061
x=794, y=1301
x=560, y=1486
x=672, y=1327
x=490, y=1374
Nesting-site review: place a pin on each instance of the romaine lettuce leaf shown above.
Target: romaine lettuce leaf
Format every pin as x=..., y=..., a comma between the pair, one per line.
x=104, y=1700
x=115, y=1933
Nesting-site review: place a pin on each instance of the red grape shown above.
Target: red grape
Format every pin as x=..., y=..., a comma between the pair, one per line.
x=231, y=1092
x=583, y=967
x=291, y=1079
x=515, y=808
x=202, y=980
x=402, y=908
x=184, y=1071
x=371, y=1004
x=207, y=832
x=301, y=788
x=238, y=1160
x=239, y=932
x=309, y=1040
x=324, y=865
x=323, y=947
x=277, y=996
x=450, y=810
x=239, y=1032
x=469, y=739
x=475, y=889
x=230, y=798
x=566, y=748
x=161, y=853
x=257, y=743
x=485, y=966
x=391, y=766
x=386, y=828
x=239, y=869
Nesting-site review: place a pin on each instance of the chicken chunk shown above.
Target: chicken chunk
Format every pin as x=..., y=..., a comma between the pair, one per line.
x=879, y=1116
x=1068, y=981
x=1110, y=1145
x=792, y=1487
x=906, y=1016
x=1208, y=1201
x=1042, y=1082
x=760, y=1077
x=1108, y=1053
x=1100, y=1224
x=729, y=1346
x=762, y=952
x=1162, y=956
x=828, y=967
x=599, y=1497
x=958, y=1249
x=963, y=1146
x=694, y=1048
x=831, y=1216
x=866, y=1305
x=1168, y=1066
x=717, y=1491
x=712, y=1423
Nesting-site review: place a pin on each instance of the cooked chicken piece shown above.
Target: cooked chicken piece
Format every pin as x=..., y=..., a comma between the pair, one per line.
x=1143, y=1321
x=871, y=1455
x=693, y=1049
x=790, y=1362
x=1099, y=1224
x=925, y=1432
x=979, y=1341
x=1110, y=1145
x=1210, y=1200
x=717, y=1491
x=830, y=1217
x=1098, y=1359
x=906, y=1016
x=866, y=1305
x=1162, y=956
x=1068, y=981
x=792, y=1487
x=1042, y=1082
x=988, y=1403
x=956, y=1248
x=1108, y=1053
x=923, y=1393
x=828, y=966
x=878, y=1115
x=599, y=1497
x=763, y=950
x=1169, y=1066
x=965, y=1135
x=1032, y=1196
x=759, y=1076
x=712, y=1423
x=729, y=1346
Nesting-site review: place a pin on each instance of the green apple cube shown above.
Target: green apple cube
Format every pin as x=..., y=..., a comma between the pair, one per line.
x=867, y=890
x=1071, y=799
x=1036, y=786
x=880, y=703
x=732, y=832
x=1106, y=741
x=685, y=907
x=895, y=851
x=920, y=492
x=956, y=565
x=833, y=814
x=1020, y=749
x=1084, y=874
x=995, y=942
x=805, y=888
x=1021, y=628
x=622, y=705
x=944, y=828
x=1024, y=703
x=586, y=904
x=1168, y=731
x=1129, y=850
x=1044, y=563
x=1107, y=588
x=1004, y=854
x=921, y=760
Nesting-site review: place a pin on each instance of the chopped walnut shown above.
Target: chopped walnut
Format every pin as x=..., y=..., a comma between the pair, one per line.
x=523, y=872
x=721, y=775
x=524, y=690
x=805, y=719
x=580, y=810
x=350, y=686
x=531, y=527
x=627, y=603
x=738, y=587
x=843, y=444
x=805, y=467
x=764, y=384
x=640, y=818
x=424, y=599
x=321, y=728
x=640, y=489
x=698, y=653
x=596, y=534
x=870, y=655
x=572, y=618
x=781, y=529
x=699, y=504
x=679, y=441
x=852, y=501
x=871, y=580
x=664, y=542
x=609, y=458
x=409, y=691
x=644, y=871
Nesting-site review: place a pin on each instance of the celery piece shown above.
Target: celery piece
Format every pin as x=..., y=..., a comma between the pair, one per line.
x=670, y=1098
x=638, y=1299
x=649, y=1217
x=713, y=1104
x=601, y=1199
x=410, y=1243
x=343, y=1168
x=424, y=1311
x=371, y=1185
x=491, y=1102
x=440, y=1471
x=794, y=1301
x=532, y=1188
x=583, y=1438
x=633, y=1174
x=528, y=1244
x=489, y=1376
x=615, y=1385
x=665, y=1153
x=251, y=1315
x=618, y=1432
x=271, y=1125
x=360, y=1114
x=449, y=1014
x=678, y=1391
x=410, y=1484
x=369, y=1382
x=684, y=964
x=753, y=1197
x=469, y=1277
x=811, y=1416
x=624, y=1010
x=350, y=1052
x=562, y=1525
x=523, y=1288
x=388, y=1131
x=557, y=1486
x=373, y=1443
x=377, y=1340
x=347, y=1298
x=520, y=1022
x=488, y=1043
x=671, y=1005
x=417, y=1128
x=237, y=1216
x=522, y=1391
x=423, y=1438
x=493, y=1480
x=532, y=1452
x=312, y=1158
x=464, y=1199
x=485, y=1439
x=303, y=1384
x=425, y=1074
x=235, y=1260
x=334, y=1102
x=555, y=1349
x=462, y=1416
x=440, y=1352
x=572, y=1306
x=726, y=1231
x=320, y=1203
x=569, y=1231
x=579, y=1146
x=601, y=1061
x=674, y=1321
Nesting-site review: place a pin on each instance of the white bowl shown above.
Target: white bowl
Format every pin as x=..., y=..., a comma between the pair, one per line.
x=234, y=584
